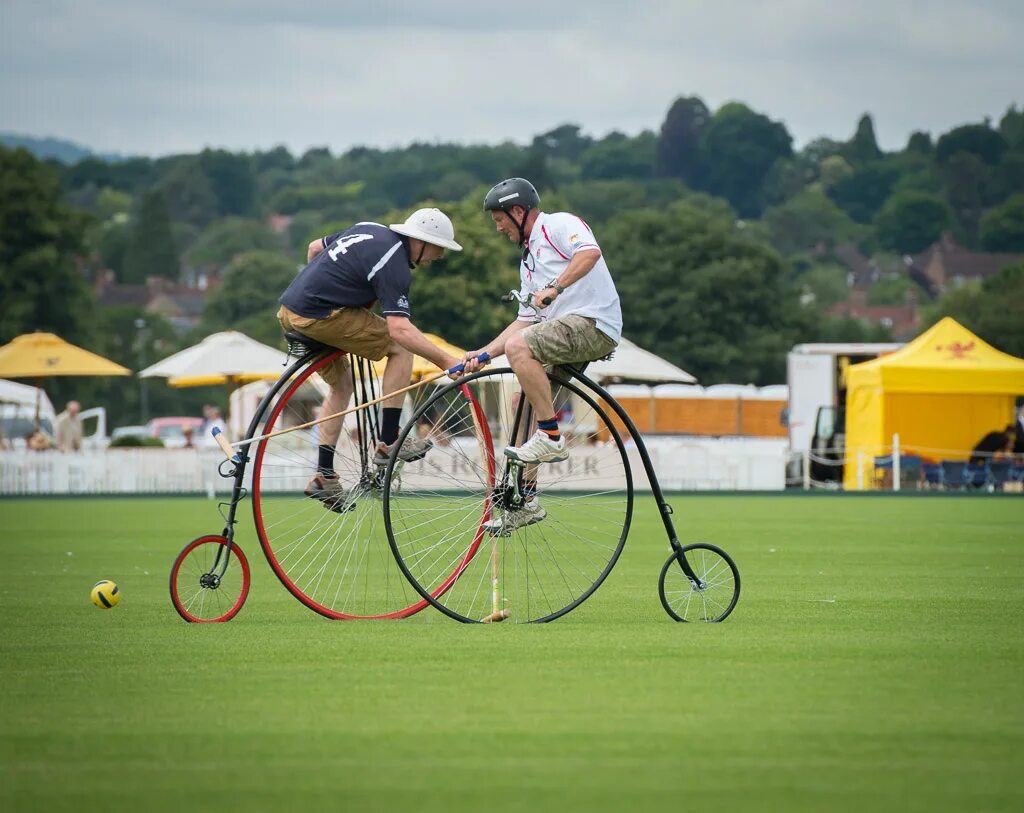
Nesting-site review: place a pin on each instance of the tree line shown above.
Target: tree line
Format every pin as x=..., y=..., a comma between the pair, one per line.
x=721, y=235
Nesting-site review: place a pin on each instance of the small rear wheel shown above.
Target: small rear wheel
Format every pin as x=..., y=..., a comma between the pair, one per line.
x=208, y=585
x=711, y=596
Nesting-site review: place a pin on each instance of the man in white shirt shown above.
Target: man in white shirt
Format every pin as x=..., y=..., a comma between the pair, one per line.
x=578, y=318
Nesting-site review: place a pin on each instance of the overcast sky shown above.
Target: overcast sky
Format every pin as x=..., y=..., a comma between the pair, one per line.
x=161, y=76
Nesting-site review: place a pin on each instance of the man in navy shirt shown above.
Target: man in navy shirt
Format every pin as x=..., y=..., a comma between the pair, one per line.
x=330, y=301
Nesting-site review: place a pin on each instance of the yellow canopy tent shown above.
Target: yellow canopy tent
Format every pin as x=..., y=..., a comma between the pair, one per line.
x=941, y=393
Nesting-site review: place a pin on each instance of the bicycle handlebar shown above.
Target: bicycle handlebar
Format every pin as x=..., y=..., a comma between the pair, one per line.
x=526, y=301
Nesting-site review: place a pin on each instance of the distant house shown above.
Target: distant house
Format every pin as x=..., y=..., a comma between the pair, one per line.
x=861, y=273
x=946, y=264
x=180, y=303
x=902, y=321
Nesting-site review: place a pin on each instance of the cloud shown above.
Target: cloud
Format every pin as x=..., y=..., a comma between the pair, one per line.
x=154, y=78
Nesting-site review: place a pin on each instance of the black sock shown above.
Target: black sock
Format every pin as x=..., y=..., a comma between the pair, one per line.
x=389, y=424
x=325, y=464
x=550, y=428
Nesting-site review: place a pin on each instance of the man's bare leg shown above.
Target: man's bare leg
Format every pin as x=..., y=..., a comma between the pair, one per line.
x=337, y=400
x=533, y=378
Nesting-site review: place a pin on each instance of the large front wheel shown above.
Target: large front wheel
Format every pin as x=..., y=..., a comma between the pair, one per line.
x=483, y=538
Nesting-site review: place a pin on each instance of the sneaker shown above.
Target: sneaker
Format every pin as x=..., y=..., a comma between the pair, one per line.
x=539, y=449
x=531, y=513
x=329, y=491
x=413, y=449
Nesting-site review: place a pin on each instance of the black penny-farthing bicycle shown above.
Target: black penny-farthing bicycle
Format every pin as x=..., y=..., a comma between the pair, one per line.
x=483, y=537
x=333, y=557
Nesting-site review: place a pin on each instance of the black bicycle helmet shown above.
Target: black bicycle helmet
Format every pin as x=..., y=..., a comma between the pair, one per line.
x=509, y=193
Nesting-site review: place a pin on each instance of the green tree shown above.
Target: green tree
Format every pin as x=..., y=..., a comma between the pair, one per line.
x=994, y=310
x=41, y=287
x=231, y=179
x=739, y=148
x=862, y=193
x=863, y=147
x=808, y=220
x=151, y=251
x=564, y=141
x=678, y=153
x=188, y=193
x=965, y=177
x=979, y=140
x=227, y=238
x=696, y=290
x=1002, y=228
x=920, y=143
x=619, y=156
x=1011, y=127
x=246, y=298
x=911, y=221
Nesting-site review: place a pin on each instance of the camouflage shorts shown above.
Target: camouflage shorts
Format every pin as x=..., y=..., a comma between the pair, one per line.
x=567, y=340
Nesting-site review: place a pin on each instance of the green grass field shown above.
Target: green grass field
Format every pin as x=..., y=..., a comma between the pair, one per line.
x=875, y=661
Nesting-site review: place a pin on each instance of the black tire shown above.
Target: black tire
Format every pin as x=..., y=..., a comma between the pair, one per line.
x=717, y=589
x=446, y=516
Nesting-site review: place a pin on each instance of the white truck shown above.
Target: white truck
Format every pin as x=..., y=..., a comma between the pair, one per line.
x=816, y=415
x=19, y=405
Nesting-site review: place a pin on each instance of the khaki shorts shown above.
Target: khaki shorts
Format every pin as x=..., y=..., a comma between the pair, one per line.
x=567, y=340
x=354, y=330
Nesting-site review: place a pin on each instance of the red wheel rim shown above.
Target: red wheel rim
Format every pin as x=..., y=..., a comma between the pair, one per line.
x=179, y=605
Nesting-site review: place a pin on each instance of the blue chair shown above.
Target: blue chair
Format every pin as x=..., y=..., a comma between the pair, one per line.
x=953, y=473
x=932, y=475
x=976, y=475
x=998, y=473
x=910, y=470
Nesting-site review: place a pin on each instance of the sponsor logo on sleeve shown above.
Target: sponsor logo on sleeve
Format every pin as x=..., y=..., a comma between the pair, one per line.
x=403, y=302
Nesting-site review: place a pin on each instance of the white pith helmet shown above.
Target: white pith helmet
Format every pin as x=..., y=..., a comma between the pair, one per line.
x=431, y=226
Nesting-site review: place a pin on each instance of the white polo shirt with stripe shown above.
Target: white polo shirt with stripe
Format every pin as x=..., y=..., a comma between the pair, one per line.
x=554, y=240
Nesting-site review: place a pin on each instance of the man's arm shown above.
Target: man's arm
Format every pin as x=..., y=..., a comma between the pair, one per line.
x=579, y=266
x=404, y=332
x=314, y=248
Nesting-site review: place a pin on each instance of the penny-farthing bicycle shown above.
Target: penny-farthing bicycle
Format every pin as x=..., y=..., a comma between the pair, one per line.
x=521, y=563
x=335, y=557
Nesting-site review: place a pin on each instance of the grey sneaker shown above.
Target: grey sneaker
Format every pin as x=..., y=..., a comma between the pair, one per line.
x=539, y=449
x=329, y=491
x=530, y=514
x=412, y=449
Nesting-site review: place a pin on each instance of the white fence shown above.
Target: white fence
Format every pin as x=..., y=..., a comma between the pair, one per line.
x=691, y=464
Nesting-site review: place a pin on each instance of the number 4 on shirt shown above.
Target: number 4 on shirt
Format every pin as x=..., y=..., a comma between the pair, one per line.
x=342, y=244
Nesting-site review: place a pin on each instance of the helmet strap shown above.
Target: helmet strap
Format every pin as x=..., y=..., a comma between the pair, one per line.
x=521, y=226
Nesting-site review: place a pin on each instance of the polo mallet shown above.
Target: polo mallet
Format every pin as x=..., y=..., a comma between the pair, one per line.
x=229, y=448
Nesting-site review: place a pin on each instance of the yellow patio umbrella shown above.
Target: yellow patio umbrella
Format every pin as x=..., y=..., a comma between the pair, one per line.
x=42, y=355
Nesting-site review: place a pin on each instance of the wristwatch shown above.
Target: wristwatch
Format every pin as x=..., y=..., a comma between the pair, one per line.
x=557, y=287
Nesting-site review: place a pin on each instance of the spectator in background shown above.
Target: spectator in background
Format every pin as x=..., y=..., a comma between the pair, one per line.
x=68, y=428
x=211, y=420
x=186, y=433
x=994, y=444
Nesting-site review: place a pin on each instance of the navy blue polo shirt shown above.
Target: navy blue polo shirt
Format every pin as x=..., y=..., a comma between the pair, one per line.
x=364, y=263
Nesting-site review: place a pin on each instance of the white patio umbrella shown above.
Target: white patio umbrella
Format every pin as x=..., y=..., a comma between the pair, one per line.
x=229, y=357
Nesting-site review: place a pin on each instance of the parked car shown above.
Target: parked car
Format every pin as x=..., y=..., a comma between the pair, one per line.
x=129, y=432
x=171, y=430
